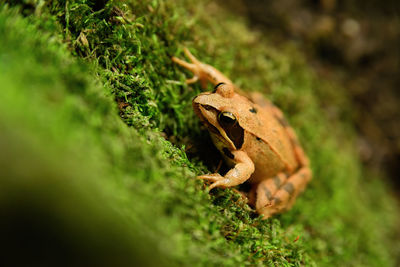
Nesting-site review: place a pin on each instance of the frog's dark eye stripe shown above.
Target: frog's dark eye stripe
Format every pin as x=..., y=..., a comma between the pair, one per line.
x=232, y=128
x=228, y=153
x=216, y=87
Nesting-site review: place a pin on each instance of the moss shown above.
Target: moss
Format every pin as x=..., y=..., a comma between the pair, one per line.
x=70, y=70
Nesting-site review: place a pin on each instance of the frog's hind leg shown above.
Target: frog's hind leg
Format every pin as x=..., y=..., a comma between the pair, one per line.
x=193, y=66
x=201, y=71
x=279, y=193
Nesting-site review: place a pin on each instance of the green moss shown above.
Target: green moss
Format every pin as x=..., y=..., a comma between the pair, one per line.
x=65, y=65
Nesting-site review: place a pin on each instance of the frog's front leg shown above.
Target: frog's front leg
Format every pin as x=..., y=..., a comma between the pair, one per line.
x=202, y=72
x=242, y=171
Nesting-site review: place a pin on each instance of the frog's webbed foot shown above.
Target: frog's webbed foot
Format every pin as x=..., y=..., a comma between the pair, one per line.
x=195, y=67
x=201, y=72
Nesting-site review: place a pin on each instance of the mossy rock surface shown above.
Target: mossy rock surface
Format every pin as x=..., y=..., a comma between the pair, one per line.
x=100, y=147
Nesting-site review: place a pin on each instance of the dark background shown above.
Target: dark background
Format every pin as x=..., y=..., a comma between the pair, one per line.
x=354, y=43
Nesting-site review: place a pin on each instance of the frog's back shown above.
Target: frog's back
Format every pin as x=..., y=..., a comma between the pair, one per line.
x=267, y=143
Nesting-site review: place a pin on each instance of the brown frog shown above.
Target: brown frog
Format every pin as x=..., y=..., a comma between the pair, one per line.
x=254, y=139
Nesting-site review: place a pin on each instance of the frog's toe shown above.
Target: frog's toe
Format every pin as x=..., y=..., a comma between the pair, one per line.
x=211, y=177
x=186, y=65
x=217, y=180
x=192, y=80
x=190, y=56
x=224, y=183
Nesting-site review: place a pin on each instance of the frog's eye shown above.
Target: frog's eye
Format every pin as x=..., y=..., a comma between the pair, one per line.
x=226, y=118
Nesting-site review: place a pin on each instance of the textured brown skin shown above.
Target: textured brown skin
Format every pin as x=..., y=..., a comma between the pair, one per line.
x=270, y=158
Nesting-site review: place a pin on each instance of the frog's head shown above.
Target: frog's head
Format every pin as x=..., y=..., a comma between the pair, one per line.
x=218, y=113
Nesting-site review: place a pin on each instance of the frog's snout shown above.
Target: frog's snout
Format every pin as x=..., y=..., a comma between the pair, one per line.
x=194, y=98
x=201, y=98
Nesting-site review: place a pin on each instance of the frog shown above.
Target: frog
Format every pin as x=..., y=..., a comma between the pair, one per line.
x=254, y=138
